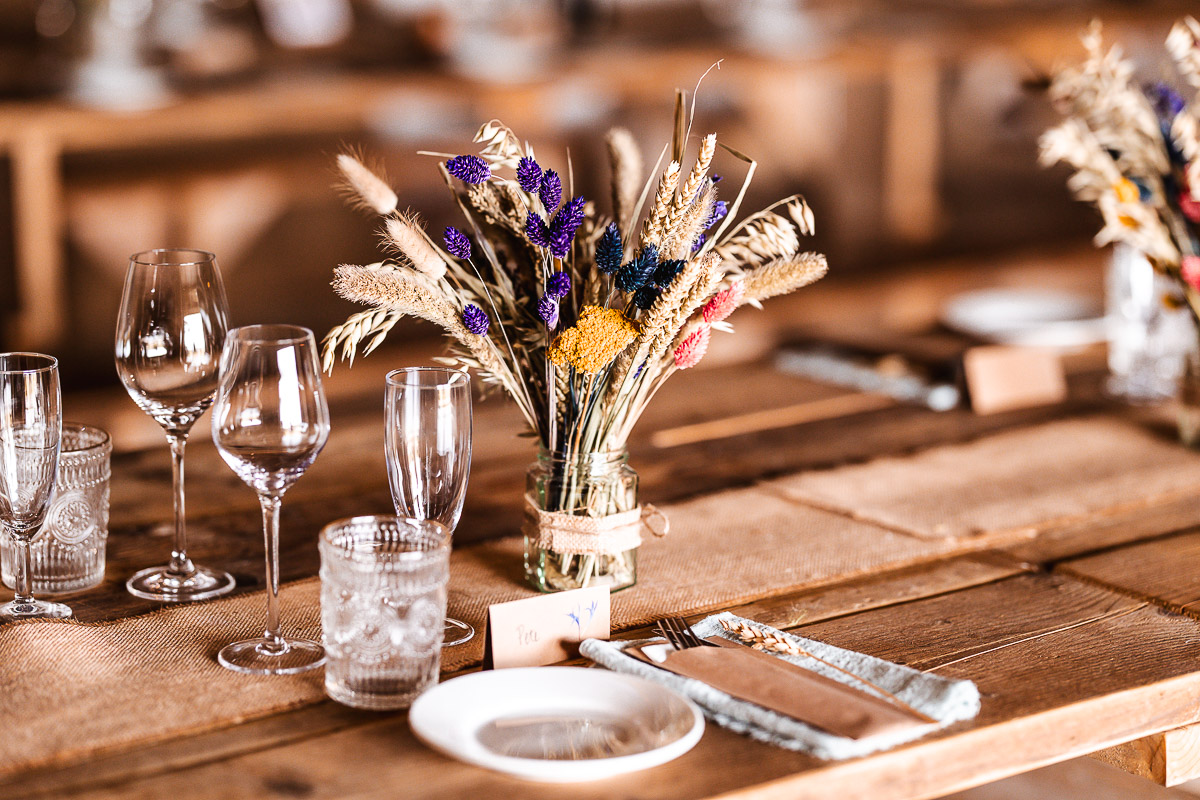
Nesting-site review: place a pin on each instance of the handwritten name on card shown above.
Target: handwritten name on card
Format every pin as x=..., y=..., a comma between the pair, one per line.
x=546, y=629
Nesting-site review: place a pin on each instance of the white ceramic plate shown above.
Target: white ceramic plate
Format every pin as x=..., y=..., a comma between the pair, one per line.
x=556, y=724
x=1036, y=317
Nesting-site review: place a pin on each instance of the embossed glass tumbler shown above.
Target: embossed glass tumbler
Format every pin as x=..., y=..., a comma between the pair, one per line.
x=383, y=600
x=30, y=435
x=170, y=330
x=68, y=556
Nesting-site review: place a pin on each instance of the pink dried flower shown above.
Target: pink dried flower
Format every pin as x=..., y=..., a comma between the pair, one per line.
x=1190, y=206
x=722, y=304
x=693, y=348
x=1189, y=267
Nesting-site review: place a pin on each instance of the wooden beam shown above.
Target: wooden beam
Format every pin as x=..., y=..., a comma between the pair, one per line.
x=1168, y=758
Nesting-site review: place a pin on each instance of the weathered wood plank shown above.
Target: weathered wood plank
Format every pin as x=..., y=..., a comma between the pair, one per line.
x=1168, y=758
x=1161, y=570
x=1040, y=647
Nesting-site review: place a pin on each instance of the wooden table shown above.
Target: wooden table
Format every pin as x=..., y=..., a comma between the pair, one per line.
x=1082, y=640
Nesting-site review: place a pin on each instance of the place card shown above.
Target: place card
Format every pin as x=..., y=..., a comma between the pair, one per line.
x=545, y=629
x=1004, y=378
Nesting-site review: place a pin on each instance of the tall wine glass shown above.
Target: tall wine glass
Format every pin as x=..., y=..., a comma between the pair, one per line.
x=428, y=448
x=30, y=433
x=269, y=423
x=169, y=335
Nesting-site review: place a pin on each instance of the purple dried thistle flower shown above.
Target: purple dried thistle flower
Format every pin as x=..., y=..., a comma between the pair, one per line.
x=719, y=210
x=551, y=190
x=469, y=169
x=564, y=225
x=457, y=243
x=700, y=240
x=558, y=285
x=1166, y=101
x=475, y=320
x=536, y=230
x=609, y=250
x=547, y=309
x=529, y=174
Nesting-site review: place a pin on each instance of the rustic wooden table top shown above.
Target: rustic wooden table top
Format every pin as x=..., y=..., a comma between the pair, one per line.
x=1080, y=640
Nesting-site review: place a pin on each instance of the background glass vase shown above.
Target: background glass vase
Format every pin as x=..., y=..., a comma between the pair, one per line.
x=68, y=555
x=1147, y=340
x=595, y=485
x=383, y=602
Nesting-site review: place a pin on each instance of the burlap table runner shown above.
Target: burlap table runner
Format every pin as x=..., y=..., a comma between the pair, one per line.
x=69, y=689
x=1015, y=483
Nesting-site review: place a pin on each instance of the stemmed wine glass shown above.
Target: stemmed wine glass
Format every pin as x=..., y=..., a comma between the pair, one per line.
x=428, y=448
x=269, y=423
x=169, y=335
x=30, y=435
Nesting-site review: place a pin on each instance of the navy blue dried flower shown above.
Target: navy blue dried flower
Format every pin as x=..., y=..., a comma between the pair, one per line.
x=551, y=190
x=609, y=250
x=475, y=320
x=457, y=243
x=637, y=273
x=719, y=210
x=547, y=309
x=529, y=174
x=563, y=226
x=667, y=271
x=469, y=169
x=645, y=297
x=536, y=230
x=558, y=284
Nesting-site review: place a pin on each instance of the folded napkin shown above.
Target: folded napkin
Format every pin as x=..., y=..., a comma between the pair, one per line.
x=944, y=700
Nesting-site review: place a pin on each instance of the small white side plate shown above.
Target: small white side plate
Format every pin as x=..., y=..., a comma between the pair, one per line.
x=1032, y=317
x=556, y=724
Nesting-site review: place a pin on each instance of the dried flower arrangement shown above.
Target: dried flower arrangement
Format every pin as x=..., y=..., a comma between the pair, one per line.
x=1136, y=152
x=580, y=317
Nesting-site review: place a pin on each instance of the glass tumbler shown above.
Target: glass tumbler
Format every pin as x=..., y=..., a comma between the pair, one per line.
x=68, y=554
x=383, y=601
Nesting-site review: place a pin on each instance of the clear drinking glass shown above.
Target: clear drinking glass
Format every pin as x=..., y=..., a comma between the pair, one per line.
x=428, y=447
x=169, y=335
x=383, y=602
x=269, y=423
x=68, y=556
x=30, y=435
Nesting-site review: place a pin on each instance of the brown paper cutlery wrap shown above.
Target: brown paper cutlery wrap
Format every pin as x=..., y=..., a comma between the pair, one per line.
x=787, y=689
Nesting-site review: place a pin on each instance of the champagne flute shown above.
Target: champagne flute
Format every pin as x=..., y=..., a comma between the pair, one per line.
x=269, y=423
x=428, y=449
x=169, y=335
x=30, y=435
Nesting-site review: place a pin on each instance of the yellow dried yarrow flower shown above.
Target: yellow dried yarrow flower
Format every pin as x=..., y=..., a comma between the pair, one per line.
x=596, y=339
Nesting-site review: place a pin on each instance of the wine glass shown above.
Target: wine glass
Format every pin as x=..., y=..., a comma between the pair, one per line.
x=428, y=449
x=169, y=335
x=30, y=436
x=269, y=423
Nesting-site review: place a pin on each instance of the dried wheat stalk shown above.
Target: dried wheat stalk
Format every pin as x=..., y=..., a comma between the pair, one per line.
x=657, y=218
x=625, y=159
x=783, y=276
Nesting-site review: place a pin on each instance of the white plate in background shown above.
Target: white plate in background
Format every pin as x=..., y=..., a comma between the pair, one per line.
x=556, y=724
x=1034, y=317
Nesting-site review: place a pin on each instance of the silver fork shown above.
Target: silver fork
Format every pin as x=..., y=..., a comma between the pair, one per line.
x=680, y=634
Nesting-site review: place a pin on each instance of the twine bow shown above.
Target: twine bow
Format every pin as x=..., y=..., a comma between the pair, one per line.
x=564, y=532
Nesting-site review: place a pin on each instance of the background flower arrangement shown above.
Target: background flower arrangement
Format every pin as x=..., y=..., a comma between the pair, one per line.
x=579, y=316
x=1136, y=152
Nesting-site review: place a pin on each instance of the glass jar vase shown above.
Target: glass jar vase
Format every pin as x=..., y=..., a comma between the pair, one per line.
x=598, y=547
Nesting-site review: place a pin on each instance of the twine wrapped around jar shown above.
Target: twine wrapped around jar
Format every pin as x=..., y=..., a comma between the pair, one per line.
x=564, y=532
